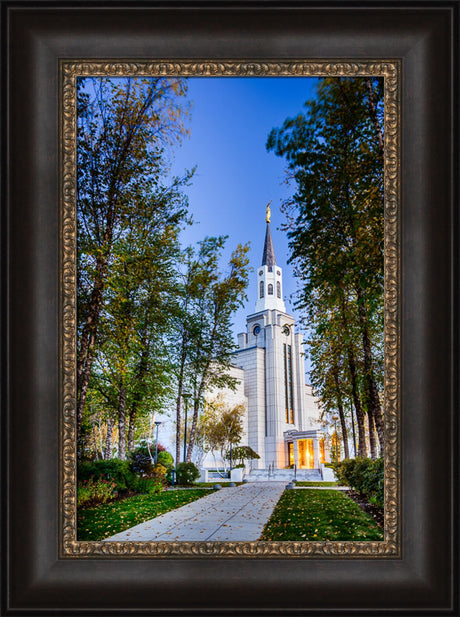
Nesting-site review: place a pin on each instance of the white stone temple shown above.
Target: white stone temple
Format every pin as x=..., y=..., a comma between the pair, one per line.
x=282, y=420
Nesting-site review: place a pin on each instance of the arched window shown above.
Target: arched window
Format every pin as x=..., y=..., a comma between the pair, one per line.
x=270, y=268
x=278, y=289
x=270, y=289
x=261, y=288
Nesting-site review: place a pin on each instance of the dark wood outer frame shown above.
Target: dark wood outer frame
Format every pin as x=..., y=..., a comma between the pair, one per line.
x=424, y=38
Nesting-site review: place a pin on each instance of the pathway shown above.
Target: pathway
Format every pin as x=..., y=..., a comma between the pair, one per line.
x=231, y=514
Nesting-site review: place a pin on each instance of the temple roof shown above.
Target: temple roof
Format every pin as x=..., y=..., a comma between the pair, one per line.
x=268, y=258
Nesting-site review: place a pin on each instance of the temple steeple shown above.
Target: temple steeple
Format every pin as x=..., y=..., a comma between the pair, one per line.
x=281, y=413
x=268, y=258
x=269, y=278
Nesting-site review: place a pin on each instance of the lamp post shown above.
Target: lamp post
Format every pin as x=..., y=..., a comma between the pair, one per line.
x=335, y=418
x=185, y=396
x=157, y=424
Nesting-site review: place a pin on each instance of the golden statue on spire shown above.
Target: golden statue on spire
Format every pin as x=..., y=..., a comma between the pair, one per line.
x=269, y=212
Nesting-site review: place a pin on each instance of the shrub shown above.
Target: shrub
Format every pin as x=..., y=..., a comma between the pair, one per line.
x=373, y=483
x=159, y=472
x=113, y=470
x=165, y=459
x=147, y=486
x=155, y=488
x=187, y=473
x=94, y=491
x=152, y=483
x=142, y=458
x=365, y=475
x=140, y=485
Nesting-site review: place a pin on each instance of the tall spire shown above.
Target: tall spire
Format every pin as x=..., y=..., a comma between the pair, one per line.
x=269, y=276
x=268, y=258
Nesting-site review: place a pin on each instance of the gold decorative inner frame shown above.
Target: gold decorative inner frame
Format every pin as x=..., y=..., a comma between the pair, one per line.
x=70, y=70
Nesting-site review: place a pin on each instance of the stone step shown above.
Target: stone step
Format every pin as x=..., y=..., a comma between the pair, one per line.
x=279, y=475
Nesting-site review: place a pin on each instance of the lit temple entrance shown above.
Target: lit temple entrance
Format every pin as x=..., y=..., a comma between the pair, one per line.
x=306, y=454
x=305, y=449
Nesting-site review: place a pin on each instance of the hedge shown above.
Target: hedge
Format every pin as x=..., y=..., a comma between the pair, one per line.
x=114, y=469
x=365, y=475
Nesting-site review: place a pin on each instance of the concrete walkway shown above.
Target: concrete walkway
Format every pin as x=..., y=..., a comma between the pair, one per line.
x=235, y=514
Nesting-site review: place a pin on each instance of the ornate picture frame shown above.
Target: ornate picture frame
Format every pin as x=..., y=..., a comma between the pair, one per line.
x=411, y=569
x=390, y=72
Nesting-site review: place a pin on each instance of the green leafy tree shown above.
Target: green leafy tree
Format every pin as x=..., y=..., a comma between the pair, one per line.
x=211, y=357
x=334, y=152
x=221, y=426
x=132, y=357
x=336, y=364
x=123, y=127
x=242, y=454
x=207, y=299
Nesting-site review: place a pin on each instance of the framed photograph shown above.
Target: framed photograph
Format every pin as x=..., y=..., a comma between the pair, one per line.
x=150, y=333
x=121, y=259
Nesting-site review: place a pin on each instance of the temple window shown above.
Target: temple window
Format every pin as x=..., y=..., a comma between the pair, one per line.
x=270, y=289
x=278, y=289
x=261, y=289
x=322, y=454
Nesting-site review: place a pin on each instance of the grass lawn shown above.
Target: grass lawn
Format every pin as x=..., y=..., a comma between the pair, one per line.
x=319, y=515
x=316, y=483
x=111, y=518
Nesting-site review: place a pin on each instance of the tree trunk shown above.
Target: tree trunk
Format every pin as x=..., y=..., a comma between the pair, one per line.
x=101, y=438
x=192, y=434
x=196, y=410
x=122, y=424
x=89, y=333
x=88, y=340
x=180, y=386
x=81, y=400
x=141, y=373
x=372, y=394
x=201, y=387
x=93, y=431
x=178, y=424
x=372, y=444
x=196, y=402
x=362, y=447
x=344, y=432
x=131, y=427
x=108, y=439
x=341, y=415
x=353, y=429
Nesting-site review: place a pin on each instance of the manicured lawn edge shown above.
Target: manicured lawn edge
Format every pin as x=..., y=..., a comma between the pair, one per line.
x=299, y=483
x=106, y=520
x=317, y=515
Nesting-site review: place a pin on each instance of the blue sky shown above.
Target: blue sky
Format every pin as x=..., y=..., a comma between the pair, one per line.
x=236, y=177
